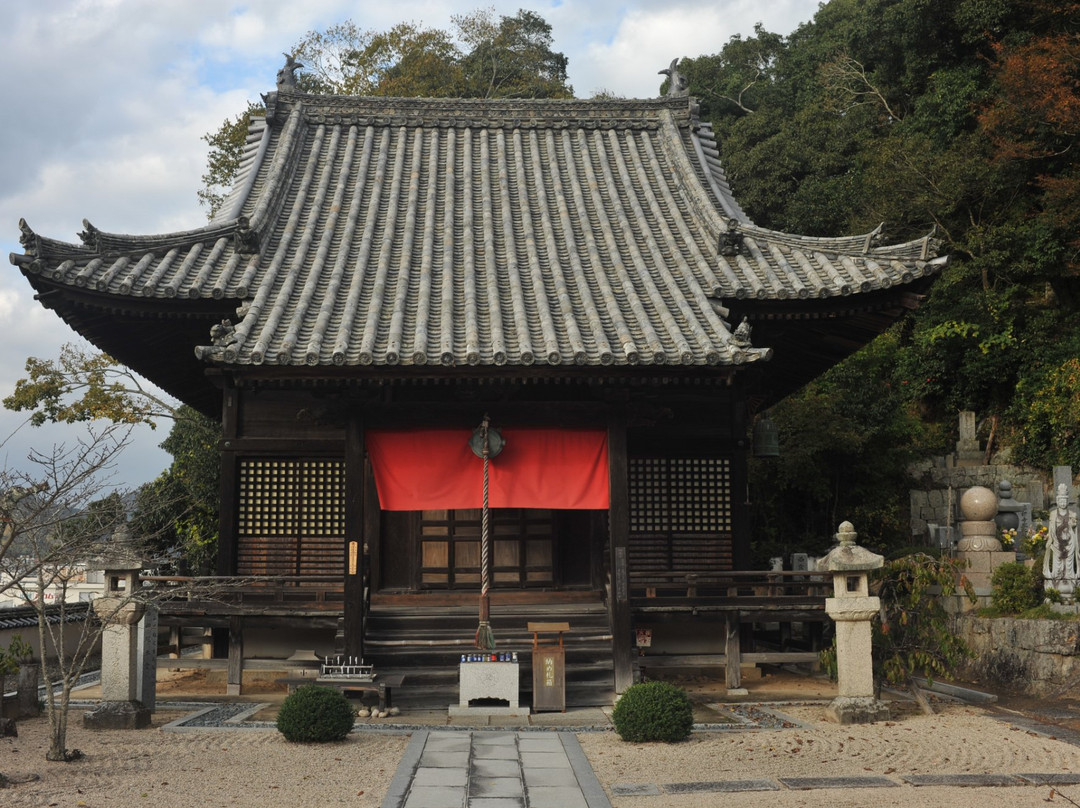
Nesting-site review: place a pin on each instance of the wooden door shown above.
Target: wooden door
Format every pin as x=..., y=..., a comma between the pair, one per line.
x=522, y=548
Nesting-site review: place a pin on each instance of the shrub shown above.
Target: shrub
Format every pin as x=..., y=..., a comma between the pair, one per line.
x=1014, y=588
x=653, y=711
x=315, y=714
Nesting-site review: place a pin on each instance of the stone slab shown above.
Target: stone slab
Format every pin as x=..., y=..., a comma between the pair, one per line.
x=807, y=783
x=444, y=743
x=504, y=738
x=544, y=760
x=557, y=797
x=427, y=776
x=485, y=712
x=435, y=797
x=721, y=787
x=548, y=777
x=973, y=780
x=494, y=752
x=444, y=760
x=635, y=790
x=485, y=767
x=495, y=787
x=1054, y=779
x=547, y=743
x=496, y=802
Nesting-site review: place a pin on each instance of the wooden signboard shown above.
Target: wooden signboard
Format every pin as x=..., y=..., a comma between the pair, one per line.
x=549, y=669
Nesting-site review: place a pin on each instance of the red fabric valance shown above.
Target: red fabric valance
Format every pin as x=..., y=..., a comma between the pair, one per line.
x=427, y=469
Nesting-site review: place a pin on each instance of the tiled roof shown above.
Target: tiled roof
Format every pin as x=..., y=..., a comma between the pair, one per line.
x=377, y=232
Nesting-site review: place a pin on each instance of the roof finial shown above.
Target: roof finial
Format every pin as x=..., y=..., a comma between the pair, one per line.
x=680, y=85
x=286, y=77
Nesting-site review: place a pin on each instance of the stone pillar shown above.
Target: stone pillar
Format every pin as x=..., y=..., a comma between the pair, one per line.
x=120, y=612
x=852, y=608
x=146, y=691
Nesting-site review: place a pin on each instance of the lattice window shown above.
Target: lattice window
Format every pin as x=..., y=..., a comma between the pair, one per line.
x=291, y=517
x=680, y=514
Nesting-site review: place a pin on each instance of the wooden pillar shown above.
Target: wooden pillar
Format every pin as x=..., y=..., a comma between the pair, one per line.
x=619, y=538
x=732, y=652
x=740, y=516
x=176, y=644
x=353, y=626
x=230, y=481
x=235, y=667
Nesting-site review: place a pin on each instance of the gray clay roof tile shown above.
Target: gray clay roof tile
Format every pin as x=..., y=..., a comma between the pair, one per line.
x=383, y=232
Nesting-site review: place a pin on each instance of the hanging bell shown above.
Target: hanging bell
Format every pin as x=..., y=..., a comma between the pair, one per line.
x=766, y=438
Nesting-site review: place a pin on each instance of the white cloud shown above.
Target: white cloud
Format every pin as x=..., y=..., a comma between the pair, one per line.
x=105, y=102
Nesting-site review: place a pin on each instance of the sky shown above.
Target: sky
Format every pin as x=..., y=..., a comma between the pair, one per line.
x=106, y=103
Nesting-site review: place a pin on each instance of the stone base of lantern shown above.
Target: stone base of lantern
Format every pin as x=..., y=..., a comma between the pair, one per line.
x=857, y=710
x=117, y=715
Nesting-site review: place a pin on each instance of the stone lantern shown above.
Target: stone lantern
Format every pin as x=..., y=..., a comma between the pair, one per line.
x=120, y=613
x=852, y=608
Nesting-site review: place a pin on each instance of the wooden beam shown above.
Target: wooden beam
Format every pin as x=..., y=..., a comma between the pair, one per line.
x=740, y=513
x=230, y=482
x=619, y=539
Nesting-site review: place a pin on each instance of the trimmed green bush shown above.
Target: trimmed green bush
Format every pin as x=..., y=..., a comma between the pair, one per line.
x=315, y=714
x=1014, y=588
x=653, y=711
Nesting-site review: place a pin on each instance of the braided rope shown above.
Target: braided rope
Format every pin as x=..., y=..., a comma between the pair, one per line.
x=485, y=548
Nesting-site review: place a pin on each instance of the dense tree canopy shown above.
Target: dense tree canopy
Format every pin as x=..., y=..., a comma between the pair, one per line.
x=958, y=116
x=483, y=57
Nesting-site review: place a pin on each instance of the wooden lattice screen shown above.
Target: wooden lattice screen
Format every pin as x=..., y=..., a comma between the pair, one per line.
x=680, y=514
x=291, y=517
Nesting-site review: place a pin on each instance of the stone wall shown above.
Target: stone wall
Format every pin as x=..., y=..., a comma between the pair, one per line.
x=933, y=503
x=1036, y=657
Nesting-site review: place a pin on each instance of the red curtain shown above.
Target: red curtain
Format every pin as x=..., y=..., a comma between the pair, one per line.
x=427, y=469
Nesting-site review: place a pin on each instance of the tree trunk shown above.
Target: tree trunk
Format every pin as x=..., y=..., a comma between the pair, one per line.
x=920, y=698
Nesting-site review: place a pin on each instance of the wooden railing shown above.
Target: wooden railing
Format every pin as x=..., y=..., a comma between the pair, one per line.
x=324, y=590
x=752, y=590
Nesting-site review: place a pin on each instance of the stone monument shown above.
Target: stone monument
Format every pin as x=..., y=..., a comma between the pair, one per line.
x=1061, y=564
x=979, y=545
x=852, y=607
x=968, y=452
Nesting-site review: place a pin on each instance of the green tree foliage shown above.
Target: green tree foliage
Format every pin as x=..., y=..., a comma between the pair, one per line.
x=484, y=56
x=915, y=635
x=223, y=161
x=1015, y=588
x=846, y=441
x=180, y=507
x=958, y=116
x=81, y=386
x=177, y=512
x=510, y=57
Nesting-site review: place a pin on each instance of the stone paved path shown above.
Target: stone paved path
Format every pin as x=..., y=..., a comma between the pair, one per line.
x=454, y=769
